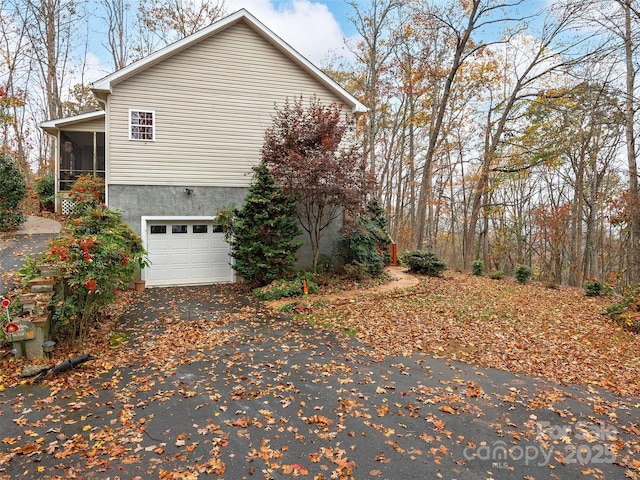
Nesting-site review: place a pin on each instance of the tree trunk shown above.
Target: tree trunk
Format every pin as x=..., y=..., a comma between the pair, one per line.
x=634, y=199
x=434, y=133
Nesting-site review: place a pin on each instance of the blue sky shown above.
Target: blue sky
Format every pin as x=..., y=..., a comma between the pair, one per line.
x=315, y=28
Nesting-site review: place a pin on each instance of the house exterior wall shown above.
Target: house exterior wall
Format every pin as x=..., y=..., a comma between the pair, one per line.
x=212, y=104
x=137, y=201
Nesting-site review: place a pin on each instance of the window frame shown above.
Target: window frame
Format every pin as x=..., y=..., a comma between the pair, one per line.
x=153, y=125
x=67, y=164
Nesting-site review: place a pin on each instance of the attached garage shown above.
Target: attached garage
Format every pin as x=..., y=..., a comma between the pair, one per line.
x=185, y=251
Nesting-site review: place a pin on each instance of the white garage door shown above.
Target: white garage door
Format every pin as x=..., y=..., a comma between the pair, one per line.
x=191, y=252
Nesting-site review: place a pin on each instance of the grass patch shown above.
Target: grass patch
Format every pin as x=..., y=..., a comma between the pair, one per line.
x=118, y=338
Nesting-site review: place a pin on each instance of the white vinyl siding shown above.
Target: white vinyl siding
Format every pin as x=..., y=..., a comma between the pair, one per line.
x=95, y=125
x=215, y=99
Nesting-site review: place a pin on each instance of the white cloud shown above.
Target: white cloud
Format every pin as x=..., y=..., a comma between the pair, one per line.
x=309, y=27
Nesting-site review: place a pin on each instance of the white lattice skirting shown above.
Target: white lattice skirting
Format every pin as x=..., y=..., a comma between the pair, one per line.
x=68, y=206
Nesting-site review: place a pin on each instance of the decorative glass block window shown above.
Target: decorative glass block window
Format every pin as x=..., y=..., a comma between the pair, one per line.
x=142, y=125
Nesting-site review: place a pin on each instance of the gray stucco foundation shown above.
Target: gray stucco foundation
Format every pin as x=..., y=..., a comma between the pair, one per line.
x=137, y=201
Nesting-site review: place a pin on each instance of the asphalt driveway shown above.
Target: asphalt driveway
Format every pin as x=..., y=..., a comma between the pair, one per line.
x=31, y=239
x=212, y=385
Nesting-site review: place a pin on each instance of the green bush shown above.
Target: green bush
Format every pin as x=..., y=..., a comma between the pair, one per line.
x=357, y=271
x=626, y=313
x=358, y=251
x=263, y=233
x=12, y=192
x=363, y=242
x=477, y=267
x=522, y=273
x=96, y=255
x=592, y=287
x=45, y=188
x=285, y=288
x=325, y=265
x=496, y=274
x=424, y=262
x=29, y=270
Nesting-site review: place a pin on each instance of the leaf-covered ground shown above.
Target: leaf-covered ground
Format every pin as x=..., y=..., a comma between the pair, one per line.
x=205, y=382
x=558, y=333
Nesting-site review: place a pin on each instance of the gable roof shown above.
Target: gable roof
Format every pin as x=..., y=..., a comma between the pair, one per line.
x=52, y=126
x=104, y=86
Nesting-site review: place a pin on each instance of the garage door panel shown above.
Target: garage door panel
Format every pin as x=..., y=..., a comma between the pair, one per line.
x=201, y=274
x=180, y=273
x=199, y=260
x=198, y=256
x=180, y=242
x=201, y=242
x=178, y=257
x=220, y=258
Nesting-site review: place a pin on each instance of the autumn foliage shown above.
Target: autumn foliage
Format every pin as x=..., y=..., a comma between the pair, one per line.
x=97, y=256
x=312, y=153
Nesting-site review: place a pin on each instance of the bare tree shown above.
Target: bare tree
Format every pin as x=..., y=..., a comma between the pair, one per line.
x=118, y=37
x=12, y=94
x=630, y=42
x=373, y=25
x=161, y=22
x=50, y=27
x=461, y=21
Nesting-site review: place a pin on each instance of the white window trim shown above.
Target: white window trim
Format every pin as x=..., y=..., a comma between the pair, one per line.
x=153, y=125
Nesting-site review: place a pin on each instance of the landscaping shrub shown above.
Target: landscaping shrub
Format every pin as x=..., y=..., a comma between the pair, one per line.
x=326, y=264
x=263, y=232
x=45, y=188
x=97, y=255
x=592, y=287
x=477, y=267
x=626, y=313
x=357, y=271
x=358, y=251
x=363, y=242
x=522, y=273
x=285, y=288
x=424, y=262
x=496, y=275
x=29, y=270
x=12, y=192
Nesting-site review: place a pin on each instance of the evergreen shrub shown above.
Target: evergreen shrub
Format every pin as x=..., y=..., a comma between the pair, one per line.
x=522, y=273
x=13, y=191
x=363, y=242
x=477, y=267
x=424, y=262
x=263, y=232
